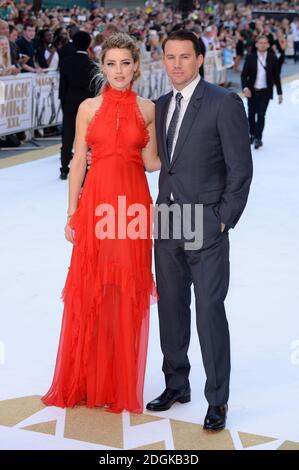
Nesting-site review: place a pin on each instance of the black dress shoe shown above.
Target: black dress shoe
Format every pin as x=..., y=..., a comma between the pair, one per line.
x=168, y=398
x=252, y=139
x=63, y=175
x=215, y=419
x=258, y=143
x=64, y=171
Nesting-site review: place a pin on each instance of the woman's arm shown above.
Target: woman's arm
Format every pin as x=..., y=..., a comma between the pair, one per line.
x=150, y=153
x=78, y=163
x=283, y=44
x=78, y=167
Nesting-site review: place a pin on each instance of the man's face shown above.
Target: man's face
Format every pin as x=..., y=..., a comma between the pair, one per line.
x=48, y=37
x=181, y=63
x=4, y=29
x=262, y=45
x=13, y=35
x=29, y=33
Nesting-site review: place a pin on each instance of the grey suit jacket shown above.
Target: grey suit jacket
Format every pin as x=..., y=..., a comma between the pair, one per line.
x=212, y=160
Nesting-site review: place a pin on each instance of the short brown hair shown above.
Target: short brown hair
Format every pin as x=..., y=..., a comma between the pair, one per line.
x=28, y=24
x=184, y=35
x=261, y=36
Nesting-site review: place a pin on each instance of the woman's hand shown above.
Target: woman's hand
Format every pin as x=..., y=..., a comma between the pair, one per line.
x=88, y=158
x=69, y=233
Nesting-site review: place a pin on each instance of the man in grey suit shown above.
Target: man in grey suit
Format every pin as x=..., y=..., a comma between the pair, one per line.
x=204, y=147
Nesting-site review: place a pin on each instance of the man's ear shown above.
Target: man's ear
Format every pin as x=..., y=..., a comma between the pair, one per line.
x=200, y=60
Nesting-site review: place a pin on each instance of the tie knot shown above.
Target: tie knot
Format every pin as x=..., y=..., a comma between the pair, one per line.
x=178, y=97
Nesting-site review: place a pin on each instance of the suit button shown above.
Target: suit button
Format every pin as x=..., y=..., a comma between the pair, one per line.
x=171, y=172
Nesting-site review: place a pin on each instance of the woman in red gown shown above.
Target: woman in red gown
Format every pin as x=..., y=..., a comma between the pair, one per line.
x=109, y=288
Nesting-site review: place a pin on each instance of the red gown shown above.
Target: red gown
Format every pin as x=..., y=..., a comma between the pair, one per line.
x=109, y=287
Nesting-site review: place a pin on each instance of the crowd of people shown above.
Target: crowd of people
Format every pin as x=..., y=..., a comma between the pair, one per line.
x=38, y=41
x=32, y=41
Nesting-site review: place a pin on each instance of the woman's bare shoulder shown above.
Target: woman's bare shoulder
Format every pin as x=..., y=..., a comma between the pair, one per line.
x=89, y=106
x=145, y=102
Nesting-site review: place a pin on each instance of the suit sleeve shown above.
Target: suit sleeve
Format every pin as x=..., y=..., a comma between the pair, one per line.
x=62, y=86
x=233, y=129
x=20, y=45
x=245, y=74
x=277, y=76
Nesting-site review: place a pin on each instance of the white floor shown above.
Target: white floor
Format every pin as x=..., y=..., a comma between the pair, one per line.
x=262, y=306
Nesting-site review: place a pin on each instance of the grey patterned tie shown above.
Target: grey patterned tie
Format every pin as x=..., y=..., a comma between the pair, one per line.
x=173, y=124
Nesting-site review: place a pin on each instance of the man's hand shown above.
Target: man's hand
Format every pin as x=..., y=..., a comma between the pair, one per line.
x=222, y=227
x=13, y=70
x=23, y=59
x=280, y=99
x=88, y=158
x=247, y=92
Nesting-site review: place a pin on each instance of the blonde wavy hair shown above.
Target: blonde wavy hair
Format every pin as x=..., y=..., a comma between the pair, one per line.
x=118, y=41
x=5, y=60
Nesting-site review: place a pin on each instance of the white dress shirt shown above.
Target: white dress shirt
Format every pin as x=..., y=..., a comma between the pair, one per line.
x=186, y=92
x=261, y=77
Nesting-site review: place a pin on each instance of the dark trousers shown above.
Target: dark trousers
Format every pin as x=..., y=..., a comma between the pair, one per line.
x=208, y=270
x=68, y=136
x=296, y=51
x=257, y=107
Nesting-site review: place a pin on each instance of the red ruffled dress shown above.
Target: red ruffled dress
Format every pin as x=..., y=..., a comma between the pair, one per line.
x=109, y=287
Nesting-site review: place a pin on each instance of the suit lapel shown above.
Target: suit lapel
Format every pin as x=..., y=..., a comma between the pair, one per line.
x=164, y=113
x=255, y=67
x=189, y=118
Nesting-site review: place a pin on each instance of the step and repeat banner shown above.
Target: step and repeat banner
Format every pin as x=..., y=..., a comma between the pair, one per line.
x=29, y=101
x=153, y=81
x=16, y=98
x=46, y=104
